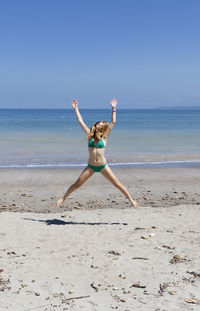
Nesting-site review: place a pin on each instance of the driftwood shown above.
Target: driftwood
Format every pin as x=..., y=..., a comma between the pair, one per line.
x=92, y=285
x=72, y=298
x=195, y=274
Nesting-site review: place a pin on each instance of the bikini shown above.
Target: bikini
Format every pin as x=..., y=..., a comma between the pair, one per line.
x=99, y=145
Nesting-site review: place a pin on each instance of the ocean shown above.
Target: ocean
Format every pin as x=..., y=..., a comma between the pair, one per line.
x=52, y=138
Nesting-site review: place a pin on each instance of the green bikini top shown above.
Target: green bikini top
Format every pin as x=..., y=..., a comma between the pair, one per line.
x=99, y=145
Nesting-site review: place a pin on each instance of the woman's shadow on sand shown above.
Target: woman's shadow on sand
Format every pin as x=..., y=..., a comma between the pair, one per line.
x=62, y=222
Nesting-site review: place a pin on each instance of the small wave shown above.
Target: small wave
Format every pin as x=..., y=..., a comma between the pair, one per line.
x=155, y=162
x=183, y=163
x=40, y=165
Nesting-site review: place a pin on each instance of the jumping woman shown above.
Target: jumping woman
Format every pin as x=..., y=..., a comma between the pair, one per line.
x=97, y=139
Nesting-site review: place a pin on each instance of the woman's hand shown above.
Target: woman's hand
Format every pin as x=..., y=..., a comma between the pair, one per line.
x=113, y=103
x=75, y=103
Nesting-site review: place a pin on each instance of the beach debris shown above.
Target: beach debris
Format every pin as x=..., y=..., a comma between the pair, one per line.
x=138, y=285
x=126, y=292
x=94, y=267
x=26, y=195
x=191, y=300
x=152, y=203
x=71, y=216
x=140, y=228
x=122, y=300
x=144, y=237
x=152, y=234
x=5, y=208
x=168, y=247
x=119, y=299
x=177, y=259
x=37, y=294
x=72, y=298
x=140, y=258
x=114, y=253
x=94, y=287
x=172, y=292
x=11, y=253
x=162, y=288
x=77, y=207
x=24, y=285
x=58, y=295
x=122, y=276
x=195, y=274
x=115, y=288
x=71, y=291
x=64, y=215
x=3, y=284
x=80, y=204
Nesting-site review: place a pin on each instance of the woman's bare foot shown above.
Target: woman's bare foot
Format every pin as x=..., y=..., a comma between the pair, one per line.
x=59, y=202
x=134, y=203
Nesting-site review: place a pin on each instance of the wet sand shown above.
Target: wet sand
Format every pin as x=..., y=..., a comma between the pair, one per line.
x=38, y=190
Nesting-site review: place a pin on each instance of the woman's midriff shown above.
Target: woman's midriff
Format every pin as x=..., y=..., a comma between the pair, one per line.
x=96, y=156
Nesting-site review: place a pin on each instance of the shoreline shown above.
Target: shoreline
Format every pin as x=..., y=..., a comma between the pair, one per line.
x=118, y=165
x=114, y=159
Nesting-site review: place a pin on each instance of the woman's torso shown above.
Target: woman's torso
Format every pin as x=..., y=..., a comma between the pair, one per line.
x=96, y=151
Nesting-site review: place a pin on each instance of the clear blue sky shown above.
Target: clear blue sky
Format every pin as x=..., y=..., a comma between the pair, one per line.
x=146, y=53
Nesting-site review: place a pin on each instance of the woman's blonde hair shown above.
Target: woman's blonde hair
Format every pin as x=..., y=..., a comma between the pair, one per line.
x=102, y=133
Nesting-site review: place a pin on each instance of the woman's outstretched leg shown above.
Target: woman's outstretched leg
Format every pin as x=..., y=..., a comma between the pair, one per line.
x=107, y=172
x=87, y=173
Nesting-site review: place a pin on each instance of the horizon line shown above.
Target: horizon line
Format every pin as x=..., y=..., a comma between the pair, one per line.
x=136, y=108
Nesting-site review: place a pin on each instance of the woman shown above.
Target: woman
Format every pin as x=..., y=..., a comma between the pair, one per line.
x=97, y=139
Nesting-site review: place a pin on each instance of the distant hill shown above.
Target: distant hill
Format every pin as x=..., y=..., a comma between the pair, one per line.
x=179, y=107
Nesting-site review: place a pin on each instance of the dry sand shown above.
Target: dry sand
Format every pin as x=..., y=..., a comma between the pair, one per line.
x=97, y=252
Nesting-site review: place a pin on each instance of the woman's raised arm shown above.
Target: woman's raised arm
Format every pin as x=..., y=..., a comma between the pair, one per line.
x=113, y=104
x=79, y=117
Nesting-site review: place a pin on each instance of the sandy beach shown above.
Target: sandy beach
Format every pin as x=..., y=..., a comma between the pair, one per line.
x=97, y=252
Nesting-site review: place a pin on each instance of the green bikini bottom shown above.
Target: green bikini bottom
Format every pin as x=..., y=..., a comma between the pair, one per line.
x=97, y=168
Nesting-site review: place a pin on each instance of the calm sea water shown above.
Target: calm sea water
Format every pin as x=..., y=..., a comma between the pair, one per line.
x=53, y=138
